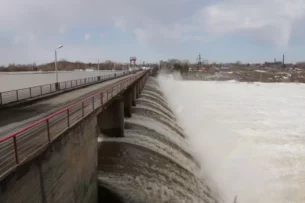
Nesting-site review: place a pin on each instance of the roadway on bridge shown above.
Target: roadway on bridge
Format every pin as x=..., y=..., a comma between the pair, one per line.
x=13, y=119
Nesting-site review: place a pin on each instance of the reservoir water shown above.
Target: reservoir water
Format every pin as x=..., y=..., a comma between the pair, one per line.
x=248, y=137
x=18, y=80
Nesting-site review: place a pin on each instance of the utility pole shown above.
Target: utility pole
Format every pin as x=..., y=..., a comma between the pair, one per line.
x=56, y=71
x=199, y=61
x=98, y=65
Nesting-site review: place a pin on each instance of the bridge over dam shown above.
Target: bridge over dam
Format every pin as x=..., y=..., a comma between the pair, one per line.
x=25, y=106
x=118, y=143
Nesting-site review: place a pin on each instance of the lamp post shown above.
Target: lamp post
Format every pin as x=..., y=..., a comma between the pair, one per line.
x=98, y=69
x=56, y=71
x=98, y=66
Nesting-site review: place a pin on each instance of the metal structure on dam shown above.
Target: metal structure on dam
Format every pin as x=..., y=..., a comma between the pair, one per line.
x=121, y=144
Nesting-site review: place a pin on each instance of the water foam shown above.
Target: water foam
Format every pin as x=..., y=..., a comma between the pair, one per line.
x=152, y=162
x=249, y=138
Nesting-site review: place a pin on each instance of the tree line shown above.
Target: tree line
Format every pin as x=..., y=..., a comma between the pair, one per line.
x=62, y=65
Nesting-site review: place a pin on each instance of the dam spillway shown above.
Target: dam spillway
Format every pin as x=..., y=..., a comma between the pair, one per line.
x=152, y=162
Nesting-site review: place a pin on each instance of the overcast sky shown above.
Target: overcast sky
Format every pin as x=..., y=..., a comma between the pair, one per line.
x=221, y=30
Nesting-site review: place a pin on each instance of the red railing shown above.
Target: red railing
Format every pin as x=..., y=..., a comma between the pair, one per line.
x=11, y=96
x=18, y=146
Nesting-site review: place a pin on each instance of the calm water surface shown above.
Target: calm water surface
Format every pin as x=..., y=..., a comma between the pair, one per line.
x=12, y=81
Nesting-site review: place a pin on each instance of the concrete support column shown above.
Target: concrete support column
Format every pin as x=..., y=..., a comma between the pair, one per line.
x=137, y=90
x=142, y=84
x=111, y=120
x=139, y=84
x=134, y=95
x=128, y=103
x=57, y=87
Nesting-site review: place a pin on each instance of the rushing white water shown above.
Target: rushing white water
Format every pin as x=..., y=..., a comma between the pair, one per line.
x=151, y=163
x=249, y=137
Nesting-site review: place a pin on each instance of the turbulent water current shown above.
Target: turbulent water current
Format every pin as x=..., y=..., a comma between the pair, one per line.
x=208, y=142
x=249, y=138
x=153, y=161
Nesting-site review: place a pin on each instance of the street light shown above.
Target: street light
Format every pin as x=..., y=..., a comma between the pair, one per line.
x=98, y=66
x=56, y=71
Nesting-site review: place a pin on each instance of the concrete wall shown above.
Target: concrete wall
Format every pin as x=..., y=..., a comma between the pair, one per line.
x=64, y=172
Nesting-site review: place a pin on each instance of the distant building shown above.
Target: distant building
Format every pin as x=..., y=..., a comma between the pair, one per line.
x=277, y=63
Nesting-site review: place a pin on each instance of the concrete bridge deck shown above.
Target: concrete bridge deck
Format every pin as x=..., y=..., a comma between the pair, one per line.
x=15, y=118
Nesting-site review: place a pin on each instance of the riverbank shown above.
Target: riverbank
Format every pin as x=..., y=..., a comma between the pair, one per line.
x=270, y=76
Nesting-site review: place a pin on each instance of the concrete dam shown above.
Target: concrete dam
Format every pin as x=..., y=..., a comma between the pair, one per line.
x=152, y=162
x=129, y=151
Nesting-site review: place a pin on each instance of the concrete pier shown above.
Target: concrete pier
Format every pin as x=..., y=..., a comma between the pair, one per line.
x=128, y=103
x=137, y=91
x=111, y=119
x=134, y=95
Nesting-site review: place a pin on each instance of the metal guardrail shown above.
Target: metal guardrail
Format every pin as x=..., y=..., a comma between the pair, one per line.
x=18, y=146
x=11, y=96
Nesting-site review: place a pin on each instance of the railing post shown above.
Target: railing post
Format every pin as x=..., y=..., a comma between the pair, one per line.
x=83, y=109
x=40, y=90
x=57, y=86
x=48, y=131
x=102, y=99
x=17, y=97
x=0, y=98
x=92, y=103
x=16, y=150
x=68, y=116
x=30, y=92
x=50, y=87
x=71, y=83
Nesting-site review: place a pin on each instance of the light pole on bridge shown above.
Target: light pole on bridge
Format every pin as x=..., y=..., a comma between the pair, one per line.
x=56, y=71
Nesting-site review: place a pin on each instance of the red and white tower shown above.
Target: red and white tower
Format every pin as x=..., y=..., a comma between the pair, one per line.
x=133, y=60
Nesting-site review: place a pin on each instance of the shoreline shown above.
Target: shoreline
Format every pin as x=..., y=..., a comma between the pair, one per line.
x=247, y=76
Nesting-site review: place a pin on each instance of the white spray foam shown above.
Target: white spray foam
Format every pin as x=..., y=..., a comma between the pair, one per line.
x=248, y=138
x=147, y=141
x=159, y=128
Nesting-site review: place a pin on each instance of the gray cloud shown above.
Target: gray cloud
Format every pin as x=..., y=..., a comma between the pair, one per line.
x=34, y=26
x=266, y=20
